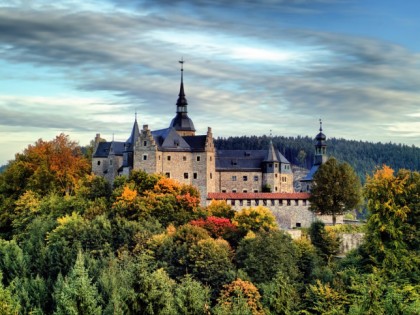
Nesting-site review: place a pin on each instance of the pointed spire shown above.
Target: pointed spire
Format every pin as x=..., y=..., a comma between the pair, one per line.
x=271, y=154
x=182, y=101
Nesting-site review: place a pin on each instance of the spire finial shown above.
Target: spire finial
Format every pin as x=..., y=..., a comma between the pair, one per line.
x=135, y=115
x=112, y=137
x=182, y=63
x=320, y=124
x=271, y=134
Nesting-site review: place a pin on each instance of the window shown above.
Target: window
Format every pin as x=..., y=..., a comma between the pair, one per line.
x=304, y=202
x=264, y=202
x=110, y=162
x=168, y=157
x=223, y=190
x=144, y=143
x=272, y=202
x=296, y=202
x=211, y=158
x=232, y=202
x=234, y=190
x=144, y=157
x=280, y=202
x=275, y=188
x=233, y=178
x=288, y=202
x=255, y=178
x=168, y=175
x=298, y=224
x=211, y=175
x=159, y=157
x=244, y=190
x=248, y=203
x=185, y=175
x=184, y=158
x=195, y=175
x=198, y=158
x=255, y=190
x=276, y=175
x=241, y=202
x=245, y=178
x=99, y=162
x=257, y=202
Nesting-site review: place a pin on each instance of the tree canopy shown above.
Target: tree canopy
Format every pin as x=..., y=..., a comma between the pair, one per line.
x=336, y=189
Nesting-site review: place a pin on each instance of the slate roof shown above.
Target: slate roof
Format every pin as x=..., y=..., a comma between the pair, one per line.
x=253, y=196
x=169, y=139
x=244, y=159
x=310, y=175
x=104, y=149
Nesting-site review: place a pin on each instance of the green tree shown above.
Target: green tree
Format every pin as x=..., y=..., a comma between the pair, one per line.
x=266, y=254
x=336, y=189
x=75, y=294
x=326, y=243
x=191, y=297
x=8, y=303
x=280, y=296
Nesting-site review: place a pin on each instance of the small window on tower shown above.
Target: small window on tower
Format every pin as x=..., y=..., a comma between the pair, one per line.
x=195, y=175
x=198, y=158
x=144, y=157
x=255, y=178
x=245, y=178
x=168, y=157
x=145, y=143
x=233, y=178
x=99, y=162
x=184, y=158
x=168, y=175
x=186, y=175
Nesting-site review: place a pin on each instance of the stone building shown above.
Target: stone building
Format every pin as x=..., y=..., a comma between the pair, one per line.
x=242, y=177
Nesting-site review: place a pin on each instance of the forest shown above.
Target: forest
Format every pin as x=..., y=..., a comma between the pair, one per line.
x=72, y=244
x=364, y=157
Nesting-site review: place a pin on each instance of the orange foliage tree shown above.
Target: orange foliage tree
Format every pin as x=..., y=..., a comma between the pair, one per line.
x=47, y=165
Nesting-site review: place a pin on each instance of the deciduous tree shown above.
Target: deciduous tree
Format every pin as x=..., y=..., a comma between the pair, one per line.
x=336, y=189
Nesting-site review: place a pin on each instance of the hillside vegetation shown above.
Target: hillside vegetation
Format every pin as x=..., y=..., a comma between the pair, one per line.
x=364, y=157
x=72, y=244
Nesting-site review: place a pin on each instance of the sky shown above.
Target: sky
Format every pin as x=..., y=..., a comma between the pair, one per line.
x=83, y=67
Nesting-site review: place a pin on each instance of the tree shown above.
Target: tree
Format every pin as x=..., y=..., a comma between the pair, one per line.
x=392, y=238
x=255, y=219
x=336, y=189
x=57, y=164
x=191, y=297
x=239, y=298
x=325, y=242
x=263, y=256
x=76, y=294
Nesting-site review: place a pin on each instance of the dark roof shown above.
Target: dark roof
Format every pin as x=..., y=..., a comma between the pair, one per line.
x=196, y=142
x=239, y=196
x=244, y=159
x=133, y=137
x=310, y=175
x=104, y=149
x=182, y=122
x=169, y=139
x=271, y=154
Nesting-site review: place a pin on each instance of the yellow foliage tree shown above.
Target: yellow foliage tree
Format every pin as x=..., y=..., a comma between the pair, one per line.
x=255, y=219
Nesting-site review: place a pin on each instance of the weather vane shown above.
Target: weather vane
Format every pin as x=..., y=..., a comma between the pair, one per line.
x=182, y=63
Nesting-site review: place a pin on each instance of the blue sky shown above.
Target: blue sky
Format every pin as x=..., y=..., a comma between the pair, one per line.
x=85, y=67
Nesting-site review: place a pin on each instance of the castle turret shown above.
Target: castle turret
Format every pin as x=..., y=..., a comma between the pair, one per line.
x=320, y=147
x=319, y=159
x=181, y=122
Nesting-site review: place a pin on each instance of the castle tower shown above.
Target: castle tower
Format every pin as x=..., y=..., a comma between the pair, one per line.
x=320, y=147
x=181, y=122
x=271, y=169
x=129, y=146
x=319, y=159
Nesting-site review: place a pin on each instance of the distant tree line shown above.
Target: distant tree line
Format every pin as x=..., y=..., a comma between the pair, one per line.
x=364, y=157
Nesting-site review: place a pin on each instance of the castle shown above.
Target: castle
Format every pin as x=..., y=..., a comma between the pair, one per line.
x=241, y=177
